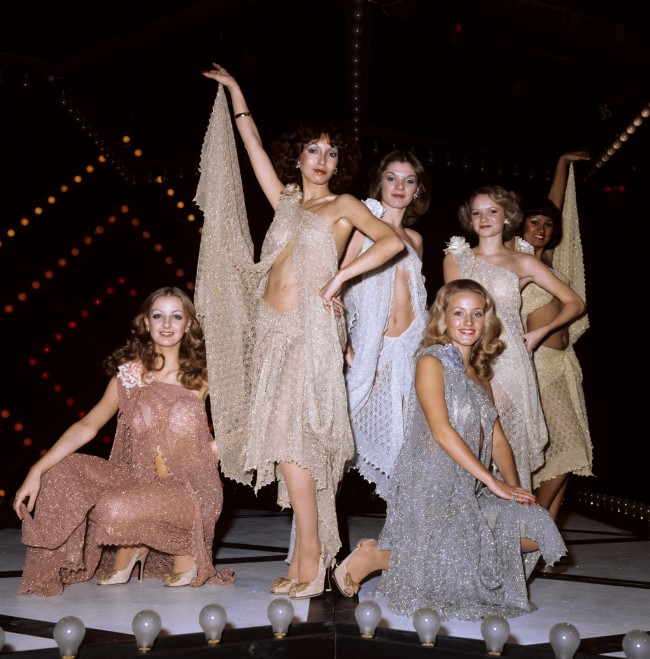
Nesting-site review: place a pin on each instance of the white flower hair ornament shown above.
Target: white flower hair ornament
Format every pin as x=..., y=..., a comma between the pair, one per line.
x=375, y=207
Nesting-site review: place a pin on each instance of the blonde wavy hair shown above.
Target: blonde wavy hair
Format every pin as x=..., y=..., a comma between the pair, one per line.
x=489, y=345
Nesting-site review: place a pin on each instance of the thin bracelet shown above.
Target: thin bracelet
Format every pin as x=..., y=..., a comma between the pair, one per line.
x=242, y=114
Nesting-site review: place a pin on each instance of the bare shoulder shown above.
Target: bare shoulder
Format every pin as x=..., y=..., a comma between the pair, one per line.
x=416, y=240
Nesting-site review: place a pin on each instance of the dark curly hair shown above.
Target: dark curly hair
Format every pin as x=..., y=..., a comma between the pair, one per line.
x=140, y=345
x=546, y=208
x=418, y=206
x=288, y=147
x=500, y=196
x=489, y=345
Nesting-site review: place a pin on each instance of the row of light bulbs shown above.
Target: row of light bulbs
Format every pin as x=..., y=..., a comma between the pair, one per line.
x=564, y=638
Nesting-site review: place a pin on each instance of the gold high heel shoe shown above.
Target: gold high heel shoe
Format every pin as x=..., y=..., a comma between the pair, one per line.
x=173, y=579
x=116, y=577
x=304, y=589
x=342, y=578
x=282, y=586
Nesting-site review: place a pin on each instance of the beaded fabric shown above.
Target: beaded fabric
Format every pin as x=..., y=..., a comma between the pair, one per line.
x=173, y=515
x=514, y=383
x=379, y=380
x=276, y=380
x=455, y=546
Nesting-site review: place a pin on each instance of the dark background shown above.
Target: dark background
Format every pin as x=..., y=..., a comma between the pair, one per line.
x=483, y=91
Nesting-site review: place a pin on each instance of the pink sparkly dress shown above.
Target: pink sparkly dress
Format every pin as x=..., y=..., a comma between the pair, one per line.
x=172, y=515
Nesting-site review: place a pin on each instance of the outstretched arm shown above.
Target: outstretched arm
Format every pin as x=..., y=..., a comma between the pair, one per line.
x=430, y=389
x=260, y=161
x=73, y=438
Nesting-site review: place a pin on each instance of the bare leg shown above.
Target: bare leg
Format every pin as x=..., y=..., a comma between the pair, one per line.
x=302, y=495
x=367, y=559
x=550, y=493
x=183, y=564
x=528, y=545
x=124, y=555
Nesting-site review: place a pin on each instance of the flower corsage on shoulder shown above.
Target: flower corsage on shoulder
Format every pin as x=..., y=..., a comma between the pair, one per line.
x=375, y=207
x=456, y=244
x=130, y=374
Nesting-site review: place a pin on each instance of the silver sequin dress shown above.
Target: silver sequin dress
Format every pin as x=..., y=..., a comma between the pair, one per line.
x=455, y=546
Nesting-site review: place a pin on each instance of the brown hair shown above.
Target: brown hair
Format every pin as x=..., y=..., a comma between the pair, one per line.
x=288, y=147
x=418, y=206
x=191, y=358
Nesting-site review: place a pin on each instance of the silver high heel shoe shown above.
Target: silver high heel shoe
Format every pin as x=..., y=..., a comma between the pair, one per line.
x=174, y=579
x=305, y=589
x=116, y=577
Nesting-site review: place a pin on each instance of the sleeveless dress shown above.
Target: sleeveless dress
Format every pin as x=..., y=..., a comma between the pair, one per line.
x=514, y=383
x=173, y=515
x=277, y=378
x=379, y=381
x=559, y=373
x=455, y=546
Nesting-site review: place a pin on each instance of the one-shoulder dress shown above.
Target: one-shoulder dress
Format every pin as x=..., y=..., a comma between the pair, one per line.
x=454, y=545
x=277, y=378
x=173, y=515
x=514, y=383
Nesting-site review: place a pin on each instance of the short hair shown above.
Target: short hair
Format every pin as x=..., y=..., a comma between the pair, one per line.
x=547, y=208
x=287, y=148
x=488, y=346
x=418, y=206
x=500, y=196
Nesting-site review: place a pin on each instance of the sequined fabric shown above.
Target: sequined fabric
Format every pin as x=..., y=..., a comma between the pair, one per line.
x=454, y=545
x=175, y=514
x=559, y=374
x=253, y=352
x=379, y=380
x=514, y=383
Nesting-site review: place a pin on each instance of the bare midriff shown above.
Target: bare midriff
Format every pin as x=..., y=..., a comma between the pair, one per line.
x=401, y=313
x=558, y=340
x=281, y=292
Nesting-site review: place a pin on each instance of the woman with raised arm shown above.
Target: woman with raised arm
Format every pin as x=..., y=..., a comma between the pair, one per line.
x=283, y=416
x=552, y=230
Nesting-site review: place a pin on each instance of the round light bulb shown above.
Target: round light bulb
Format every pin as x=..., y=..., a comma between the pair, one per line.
x=564, y=639
x=495, y=630
x=280, y=614
x=367, y=615
x=636, y=644
x=146, y=627
x=213, y=619
x=427, y=623
x=68, y=634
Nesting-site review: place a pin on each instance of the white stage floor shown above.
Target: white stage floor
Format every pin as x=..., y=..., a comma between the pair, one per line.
x=603, y=589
